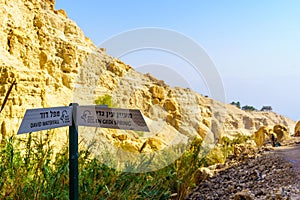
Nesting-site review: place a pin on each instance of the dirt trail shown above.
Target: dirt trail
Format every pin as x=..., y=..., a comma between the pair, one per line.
x=273, y=174
x=291, y=154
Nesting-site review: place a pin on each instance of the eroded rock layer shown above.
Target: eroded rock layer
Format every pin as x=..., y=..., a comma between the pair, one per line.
x=46, y=61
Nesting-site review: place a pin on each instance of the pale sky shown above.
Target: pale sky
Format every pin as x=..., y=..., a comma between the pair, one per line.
x=255, y=44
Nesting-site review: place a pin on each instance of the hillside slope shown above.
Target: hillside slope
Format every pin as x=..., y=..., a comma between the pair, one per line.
x=47, y=61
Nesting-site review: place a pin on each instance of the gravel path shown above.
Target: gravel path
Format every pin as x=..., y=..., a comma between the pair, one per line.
x=270, y=175
x=291, y=154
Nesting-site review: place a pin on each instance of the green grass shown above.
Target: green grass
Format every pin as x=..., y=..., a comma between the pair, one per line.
x=30, y=170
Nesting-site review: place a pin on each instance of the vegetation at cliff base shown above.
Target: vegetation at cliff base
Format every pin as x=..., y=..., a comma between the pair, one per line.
x=29, y=169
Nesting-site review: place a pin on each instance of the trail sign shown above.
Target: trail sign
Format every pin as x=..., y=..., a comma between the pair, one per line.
x=73, y=116
x=46, y=118
x=116, y=118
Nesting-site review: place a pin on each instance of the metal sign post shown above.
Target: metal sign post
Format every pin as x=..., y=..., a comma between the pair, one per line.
x=73, y=156
x=74, y=116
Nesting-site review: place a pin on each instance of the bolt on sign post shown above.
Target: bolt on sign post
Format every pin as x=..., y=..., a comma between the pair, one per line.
x=74, y=116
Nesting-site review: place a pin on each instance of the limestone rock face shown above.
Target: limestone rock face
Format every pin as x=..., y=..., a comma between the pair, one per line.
x=46, y=61
x=157, y=92
x=265, y=134
x=297, y=129
x=251, y=121
x=260, y=136
x=281, y=132
x=244, y=151
x=41, y=50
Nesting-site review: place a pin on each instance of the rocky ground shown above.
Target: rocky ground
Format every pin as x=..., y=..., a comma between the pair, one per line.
x=273, y=173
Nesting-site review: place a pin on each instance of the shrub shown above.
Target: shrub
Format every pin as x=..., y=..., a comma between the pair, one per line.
x=248, y=108
x=105, y=100
x=224, y=149
x=237, y=104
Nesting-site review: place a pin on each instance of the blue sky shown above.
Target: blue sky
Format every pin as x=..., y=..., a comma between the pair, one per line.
x=255, y=45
